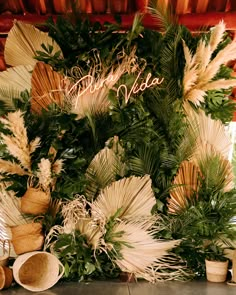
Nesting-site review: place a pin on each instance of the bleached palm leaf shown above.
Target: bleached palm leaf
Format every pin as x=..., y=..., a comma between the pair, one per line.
x=46, y=87
x=10, y=214
x=22, y=43
x=12, y=82
x=102, y=171
x=7, y=94
x=18, y=77
x=210, y=132
x=133, y=196
x=186, y=184
x=139, y=250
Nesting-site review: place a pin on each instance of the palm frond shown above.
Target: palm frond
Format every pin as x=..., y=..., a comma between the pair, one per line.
x=132, y=196
x=163, y=13
x=146, y=161
x=210, y=132
x=215, y=168
x=47, y=87
x=13, y=81
x=23, y=42
x=139, y=250
x=186, y=186
x=102, y=171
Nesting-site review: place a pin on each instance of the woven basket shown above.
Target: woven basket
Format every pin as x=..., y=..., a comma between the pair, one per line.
x=216, y=271
x=37, y=271
x=35, y=201
x=6, y=277
x=5, y=252
x=27, y=237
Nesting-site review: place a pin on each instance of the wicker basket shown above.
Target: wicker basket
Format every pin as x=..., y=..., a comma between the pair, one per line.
x=216, y=271
x=35, y=202
x=5, y=252
x=37, y=271
x=27, y=237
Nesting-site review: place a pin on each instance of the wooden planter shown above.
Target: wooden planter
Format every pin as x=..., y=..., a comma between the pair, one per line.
x=216, y=271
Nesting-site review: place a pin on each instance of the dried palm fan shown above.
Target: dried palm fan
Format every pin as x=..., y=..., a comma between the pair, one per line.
x=209, y=132
x=215, y=168
x=76, y=217
x=186, y=185
x=10, y=214
x=23, y=42
x=102, y=171
x=140, y=251
x=133, y=196
x=13, y=81
x=46, y=87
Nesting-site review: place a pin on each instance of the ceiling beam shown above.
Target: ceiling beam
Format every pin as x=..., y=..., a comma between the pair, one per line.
x=182, y=6
x=193, y=21
x=202, y=6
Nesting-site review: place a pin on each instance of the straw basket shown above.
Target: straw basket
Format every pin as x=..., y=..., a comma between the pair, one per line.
x=37, y=271
x=6, y=277
x=27, y=237
x=35, y=201
x=216, y=271
x=5, y=252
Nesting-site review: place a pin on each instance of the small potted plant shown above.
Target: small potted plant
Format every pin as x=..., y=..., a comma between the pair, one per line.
x=216, y=263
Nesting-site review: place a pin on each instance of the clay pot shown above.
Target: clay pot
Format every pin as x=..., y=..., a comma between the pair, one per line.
x=119, y=6
x=35, y=202
x=99, y=6
x=27, y=237
x=6, y=277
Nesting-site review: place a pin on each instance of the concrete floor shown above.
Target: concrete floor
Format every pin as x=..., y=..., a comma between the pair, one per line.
x=141, y=288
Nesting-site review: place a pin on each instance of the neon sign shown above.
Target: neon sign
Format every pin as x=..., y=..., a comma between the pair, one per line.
x=92, y=84
x=136, y=87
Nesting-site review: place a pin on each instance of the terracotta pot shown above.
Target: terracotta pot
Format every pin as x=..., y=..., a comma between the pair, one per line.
x=35, y=202
x=216, y=271
x=119, y=6
x=99, y=6
x=141, y=5
x=127, y=277
x=27, y=237
x=6, y=277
